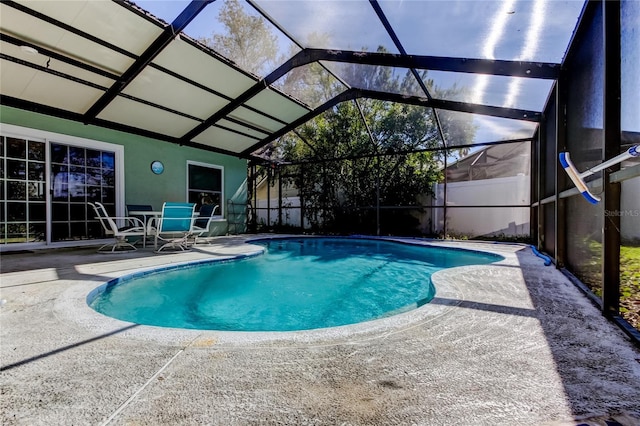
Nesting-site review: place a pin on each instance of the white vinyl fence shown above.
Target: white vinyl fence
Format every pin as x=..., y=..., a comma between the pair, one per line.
x=290, y=211
x=478, y=221
x=484, y=221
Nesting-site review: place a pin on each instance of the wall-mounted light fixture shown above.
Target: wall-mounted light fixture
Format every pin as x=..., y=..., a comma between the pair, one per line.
x=28, y=50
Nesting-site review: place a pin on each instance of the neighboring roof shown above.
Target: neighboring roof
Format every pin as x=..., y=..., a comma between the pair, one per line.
x=114, y=64
x=494, y=161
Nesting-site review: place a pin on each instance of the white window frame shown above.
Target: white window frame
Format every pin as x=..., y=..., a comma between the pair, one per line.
x=222, y=207
x=10, y=130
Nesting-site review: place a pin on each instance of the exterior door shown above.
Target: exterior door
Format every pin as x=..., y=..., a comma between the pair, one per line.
x=46, y=180
x=79, y=175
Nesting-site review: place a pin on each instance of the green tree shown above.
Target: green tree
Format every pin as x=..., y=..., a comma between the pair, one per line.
x=312, y=83
x=341, y=196
x=248, y=40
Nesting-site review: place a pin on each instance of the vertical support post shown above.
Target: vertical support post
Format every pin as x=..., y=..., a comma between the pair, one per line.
x=378, y=195
x=444, y=196
x=536, y=183
x=269, y=196
x=560, y=175
x=255, y=192
x=444, y=170
x=611, y=148
x=255, y=198
x=251, y=194
x=280, y=196
x=323, y=200
x=301, y=198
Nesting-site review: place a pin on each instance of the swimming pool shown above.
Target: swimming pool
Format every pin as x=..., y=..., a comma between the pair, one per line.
x=296, y=284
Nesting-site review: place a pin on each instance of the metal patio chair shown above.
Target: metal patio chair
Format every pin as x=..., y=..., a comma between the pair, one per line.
x=134, y=228
x=201, y=223
x=174, y=226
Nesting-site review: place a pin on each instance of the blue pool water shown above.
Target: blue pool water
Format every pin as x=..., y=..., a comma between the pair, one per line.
x=297, y=284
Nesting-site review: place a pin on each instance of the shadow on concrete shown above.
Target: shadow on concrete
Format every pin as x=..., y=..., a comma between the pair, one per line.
x=63, y=264
x=66, y=348
x=593, y=358
x=64, y=258
x=500, y=309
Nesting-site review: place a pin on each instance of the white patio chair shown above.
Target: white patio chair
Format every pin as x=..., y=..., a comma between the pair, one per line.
x=134, y=228
x=201, y=223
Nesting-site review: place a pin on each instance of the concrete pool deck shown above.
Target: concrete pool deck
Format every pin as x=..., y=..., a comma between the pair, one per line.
x=510, y=343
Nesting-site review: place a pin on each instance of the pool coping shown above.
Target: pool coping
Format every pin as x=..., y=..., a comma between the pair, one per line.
x=449, y=294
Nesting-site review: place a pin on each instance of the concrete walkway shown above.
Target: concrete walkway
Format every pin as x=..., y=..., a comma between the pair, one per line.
x=511, y=343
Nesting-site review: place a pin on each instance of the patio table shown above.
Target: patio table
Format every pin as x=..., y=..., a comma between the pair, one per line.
x=153, y=217
x=150, y=213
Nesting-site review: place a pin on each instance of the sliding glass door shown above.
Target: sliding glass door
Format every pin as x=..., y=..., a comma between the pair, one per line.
x=46, y=181
x=79, y=175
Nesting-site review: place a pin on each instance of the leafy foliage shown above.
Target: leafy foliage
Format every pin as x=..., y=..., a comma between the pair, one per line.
x=590, y=273
x=341, y=196
x=248, y=41
x=630, y=284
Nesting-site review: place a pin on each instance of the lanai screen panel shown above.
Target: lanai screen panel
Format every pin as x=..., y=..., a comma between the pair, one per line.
x=586, y=95
x=397, y=127
x=253, y=43
x=585, y=141
x=331, y=24
x=630, y=64
x=494, y=90
x=548, y=153
x=487, y=222
x=496, y=175
x=462, y=128
x=630, y=110
x=536, y=30
x=414, y=128
x=311, y=84
x=379, y=78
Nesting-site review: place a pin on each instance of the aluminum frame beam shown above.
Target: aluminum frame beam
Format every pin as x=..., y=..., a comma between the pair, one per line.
x=351, y=94
x=482, y=66
x=168, y=35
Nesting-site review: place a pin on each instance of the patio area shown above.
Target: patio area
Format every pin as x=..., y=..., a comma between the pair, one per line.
x=512, y=342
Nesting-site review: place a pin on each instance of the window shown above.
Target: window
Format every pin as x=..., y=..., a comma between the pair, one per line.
x=205, y=184
x=22, y=190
